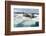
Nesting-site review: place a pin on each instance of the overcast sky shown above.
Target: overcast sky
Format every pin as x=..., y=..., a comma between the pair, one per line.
x=26, y=10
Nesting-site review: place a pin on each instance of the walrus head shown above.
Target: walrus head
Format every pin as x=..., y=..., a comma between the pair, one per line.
x=27, y=15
